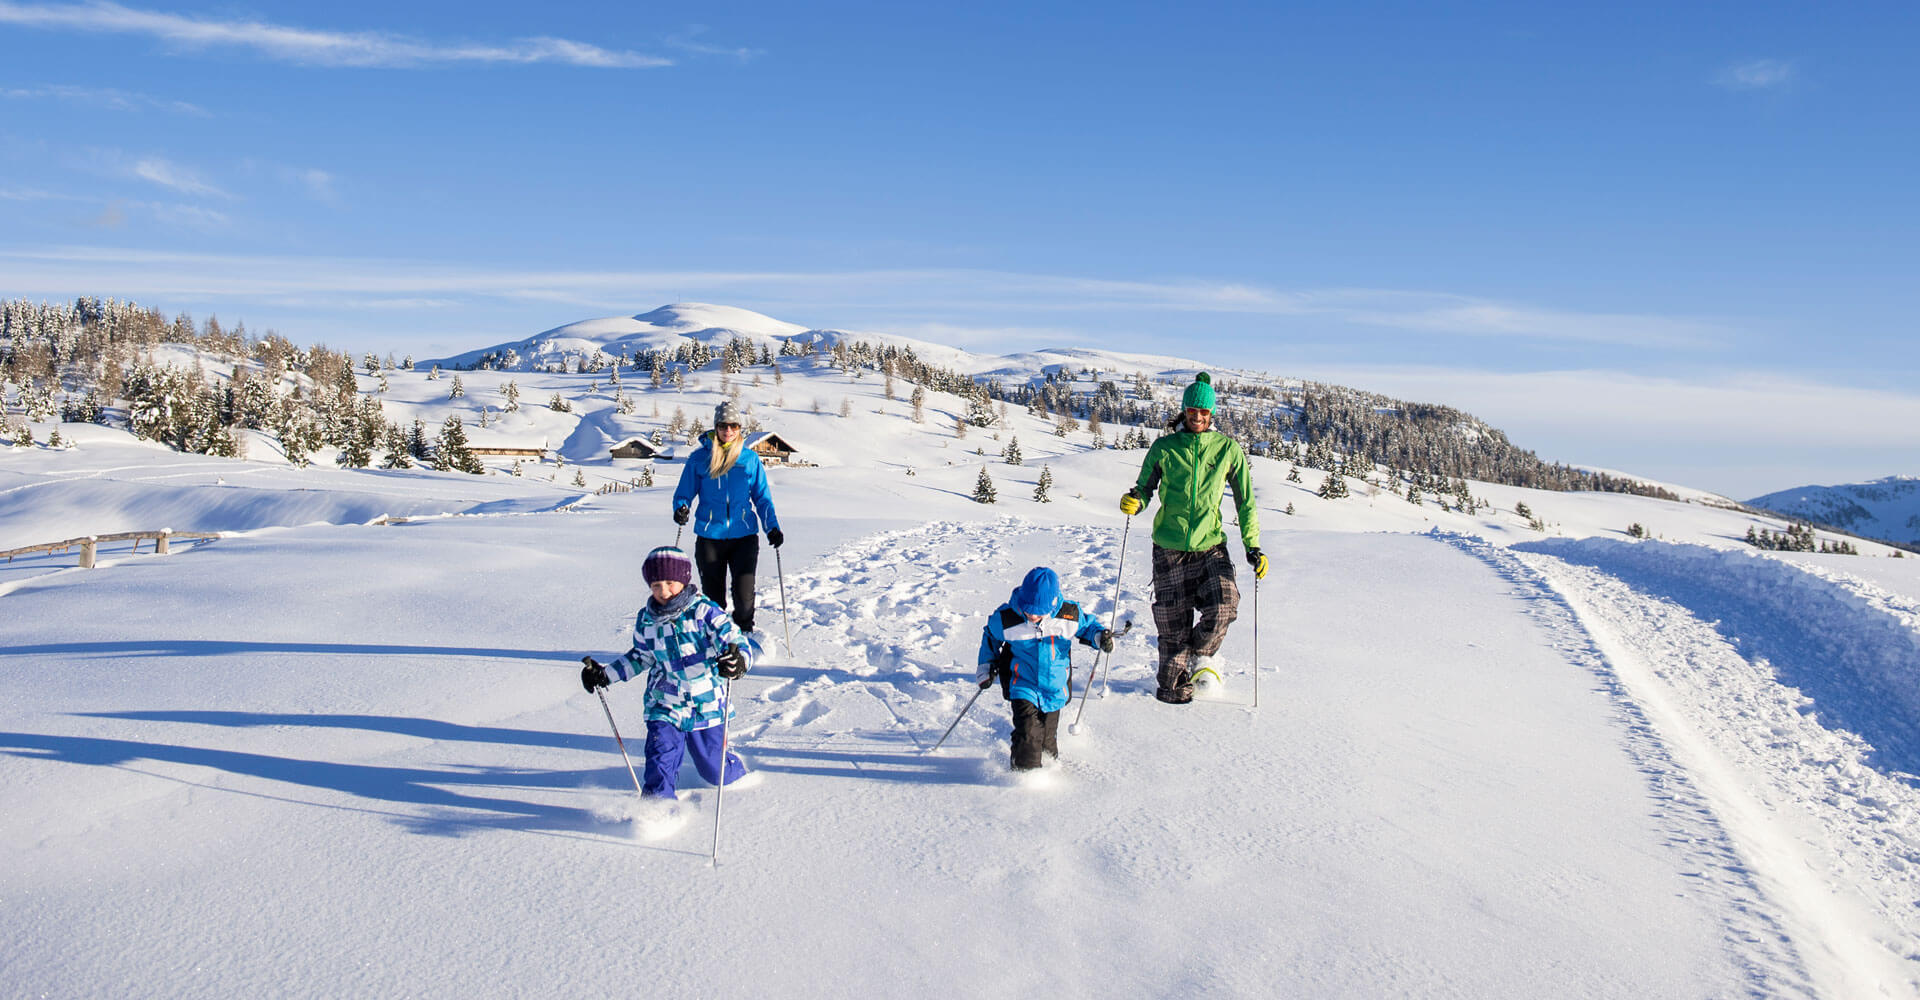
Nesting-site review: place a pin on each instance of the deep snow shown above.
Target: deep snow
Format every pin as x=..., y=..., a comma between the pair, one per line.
x=324, y=756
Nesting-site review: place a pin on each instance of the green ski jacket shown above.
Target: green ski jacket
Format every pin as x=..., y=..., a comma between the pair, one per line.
x=1191, y=471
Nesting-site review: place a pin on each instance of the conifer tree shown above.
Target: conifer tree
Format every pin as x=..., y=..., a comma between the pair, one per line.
x=1011, y=453
x=1045, y=484
x=983, y=491
x=458, y=389
x=452, y=452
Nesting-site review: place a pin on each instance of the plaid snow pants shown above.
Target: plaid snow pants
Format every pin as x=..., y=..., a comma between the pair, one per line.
x=1186, y=584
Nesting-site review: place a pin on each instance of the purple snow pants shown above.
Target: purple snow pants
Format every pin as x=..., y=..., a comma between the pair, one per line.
x=667, y=744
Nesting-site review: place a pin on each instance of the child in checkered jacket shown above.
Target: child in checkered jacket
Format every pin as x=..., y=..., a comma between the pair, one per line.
x=685, y=646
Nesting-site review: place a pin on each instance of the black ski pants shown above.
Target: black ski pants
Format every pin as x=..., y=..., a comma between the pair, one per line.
x=716, y=558
x=1187, y=585
x=1034, y=733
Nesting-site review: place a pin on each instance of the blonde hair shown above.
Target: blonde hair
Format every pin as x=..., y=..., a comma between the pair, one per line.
x=723, y=455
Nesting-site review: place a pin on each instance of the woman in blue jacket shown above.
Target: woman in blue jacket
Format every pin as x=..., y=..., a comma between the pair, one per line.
x=1028, y=644
x=729, y=482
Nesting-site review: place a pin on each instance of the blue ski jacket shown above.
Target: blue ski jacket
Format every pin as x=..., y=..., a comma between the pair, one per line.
x=1043, y=650
x=675, y=647
x=728, y=505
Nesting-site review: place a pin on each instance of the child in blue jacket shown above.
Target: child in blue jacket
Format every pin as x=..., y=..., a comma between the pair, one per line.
x=1028, y=645
x=684, y=645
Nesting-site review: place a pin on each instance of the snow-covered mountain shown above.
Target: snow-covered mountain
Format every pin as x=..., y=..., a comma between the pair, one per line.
x=574, y=346
x=1499, y=749
x=1887, y=509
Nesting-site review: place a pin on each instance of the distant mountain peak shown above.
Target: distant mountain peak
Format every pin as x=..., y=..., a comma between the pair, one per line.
x=1887, y=508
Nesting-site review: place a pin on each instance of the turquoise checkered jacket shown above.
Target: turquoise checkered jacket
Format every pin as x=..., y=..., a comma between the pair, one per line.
x=674, y=647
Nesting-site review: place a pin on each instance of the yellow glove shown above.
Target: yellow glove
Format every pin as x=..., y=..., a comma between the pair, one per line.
x=1258, y=560
x=1130, y=504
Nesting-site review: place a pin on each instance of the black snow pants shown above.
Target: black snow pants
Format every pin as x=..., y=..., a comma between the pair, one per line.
x=1034, y=733
x=1186, y=584
x=716, y=557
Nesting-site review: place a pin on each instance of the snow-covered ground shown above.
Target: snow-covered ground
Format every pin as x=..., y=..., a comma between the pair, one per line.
x=323, y=756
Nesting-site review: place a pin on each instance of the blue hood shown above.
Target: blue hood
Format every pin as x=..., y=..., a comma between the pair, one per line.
x=1038, y=594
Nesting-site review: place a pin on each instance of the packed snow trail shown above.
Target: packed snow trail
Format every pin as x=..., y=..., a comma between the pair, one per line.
x=1791, y=695
x=378, y=775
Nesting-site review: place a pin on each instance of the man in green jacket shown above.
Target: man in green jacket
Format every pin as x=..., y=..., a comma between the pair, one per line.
x=1191, y=466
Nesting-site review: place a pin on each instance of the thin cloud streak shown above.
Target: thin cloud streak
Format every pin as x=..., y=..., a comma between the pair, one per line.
x=919, y=289
x=105, y=97
x=1757, y=74
x=165, y=173
x=321, y=48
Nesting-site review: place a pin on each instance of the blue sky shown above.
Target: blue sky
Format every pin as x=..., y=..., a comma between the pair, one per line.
x=1679, y=240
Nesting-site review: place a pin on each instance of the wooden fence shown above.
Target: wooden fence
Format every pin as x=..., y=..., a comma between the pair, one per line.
x=90, y=545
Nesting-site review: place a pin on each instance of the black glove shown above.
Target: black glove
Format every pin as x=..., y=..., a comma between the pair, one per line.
x=775, y=536
x=680, y=514
x=1106, y=640
x=732, y=663
x=593, y=676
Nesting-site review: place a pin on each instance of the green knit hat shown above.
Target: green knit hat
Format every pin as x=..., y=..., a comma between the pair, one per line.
x=1200, y=394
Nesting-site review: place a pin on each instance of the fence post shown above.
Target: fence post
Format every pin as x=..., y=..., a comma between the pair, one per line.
x=86, y=552
x=160, y=544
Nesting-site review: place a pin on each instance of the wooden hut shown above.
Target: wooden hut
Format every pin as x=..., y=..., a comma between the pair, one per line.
x=639, y=447
x=772, y=448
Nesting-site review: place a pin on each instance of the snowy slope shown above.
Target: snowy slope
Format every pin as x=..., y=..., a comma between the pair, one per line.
x=318, y=756
x=1885, y=508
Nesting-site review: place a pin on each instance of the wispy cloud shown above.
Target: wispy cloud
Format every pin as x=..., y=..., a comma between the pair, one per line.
x=689, y=41
x=1757, y=74
x=168, y=174
x=927, y=293
x=105, y=97
x=314, y=47
x=35, y=194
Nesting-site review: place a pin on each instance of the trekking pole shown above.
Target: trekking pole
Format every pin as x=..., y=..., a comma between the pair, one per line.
x=957, y=718
x=676, y=534
x=589, y=661
x=784, y=620
x=1119, y=568
x=1082, y=710
x=720, y=794
x=1256, y=642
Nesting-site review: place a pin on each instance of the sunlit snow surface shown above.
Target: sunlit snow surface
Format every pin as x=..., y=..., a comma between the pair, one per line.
x=320, y=756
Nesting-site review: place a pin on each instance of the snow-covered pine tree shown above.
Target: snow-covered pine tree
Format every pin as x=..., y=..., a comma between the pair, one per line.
x=983, y=491
x=580, y=478
x=452, y=452
x=1289, y=508
x=1011, y=453
x=1045, y=484
x=1334, y=487
x=459, y=389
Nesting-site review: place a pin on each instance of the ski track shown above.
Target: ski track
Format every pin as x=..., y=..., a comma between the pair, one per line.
x=1739, y=677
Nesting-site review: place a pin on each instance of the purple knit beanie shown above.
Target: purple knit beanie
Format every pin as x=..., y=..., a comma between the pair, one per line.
x=666, y=563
